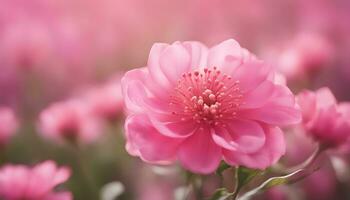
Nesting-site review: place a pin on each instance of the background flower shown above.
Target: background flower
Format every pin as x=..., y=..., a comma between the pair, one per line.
x=8, y=125
x=22, y=182
x=325, y=120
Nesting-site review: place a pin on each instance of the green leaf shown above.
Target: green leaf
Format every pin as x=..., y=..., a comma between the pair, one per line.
x=279, y=180
x=220, y=194
x=245, y=175
x=223, y=166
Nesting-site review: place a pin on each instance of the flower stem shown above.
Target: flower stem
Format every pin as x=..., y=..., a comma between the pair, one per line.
x=194, y=183
x=237, y=186
x=309, y=161
x=2, y=156
x=87, y=178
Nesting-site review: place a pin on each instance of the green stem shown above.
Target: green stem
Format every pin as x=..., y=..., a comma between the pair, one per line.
x=197, y=187
x=86, y=176
x=194, y=184
x=237, y=186
x=2, y=155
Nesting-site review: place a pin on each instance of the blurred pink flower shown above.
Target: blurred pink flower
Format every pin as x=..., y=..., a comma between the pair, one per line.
x=200, y=105
x=321, y=185
x=276, y=193
x=48, y=43
x=8, y=124
x=306, y=54
x=106, y=101
x=52, y=35
x=324, y=119
x=69, y=120
x=302, y=56
x=156, y=190
x=18, y=182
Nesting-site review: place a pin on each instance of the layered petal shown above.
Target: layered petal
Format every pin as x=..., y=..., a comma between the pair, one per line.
x=279, y=110
x=139, y=94
x=251, y=74
x=198, y=52
x=307, y=102
x=199, y=153
x=153, y=65
x=174, y=61
x=133, y=89
x=259, y=96
x=325, y=98
x=147, y=142
x=167, y=63
x=323, y=126
x=227, y=56
x=344, y=109
x=240, y=135
x=172, y=126
x=268, y=155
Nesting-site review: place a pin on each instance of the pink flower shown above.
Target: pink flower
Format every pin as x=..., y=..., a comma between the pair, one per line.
x=69, y=120
x=306, y=54
x=106, y=101
x=324, y=119
x=8, y=124
x=301, y=56
x=200, y=106
x=18, y=182
x=321, y=185
x=276, y=193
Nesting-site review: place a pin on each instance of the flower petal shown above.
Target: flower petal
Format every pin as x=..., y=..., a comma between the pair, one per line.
x=199, y=153
x=240, y=135
x=174, y=61
x=344, y=109
x=325, y=98
x=147, y=142
x=198, y=52
x=154, y=66
x=279, y=110
x=269, y=154
x=133, y=89
x=174, y=127
x=226, y=56
x=138, y=93
x=259, y=96
x=307, y=102
x=251, y=74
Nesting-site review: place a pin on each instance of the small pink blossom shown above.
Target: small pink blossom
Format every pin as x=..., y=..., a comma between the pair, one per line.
x=106, y=101
x=8, y=124
x=69, y=120
x=301, y=56
x=305, y=54
x=321, y=185
x=20, y=182
x=200, y=105
x=324, y=119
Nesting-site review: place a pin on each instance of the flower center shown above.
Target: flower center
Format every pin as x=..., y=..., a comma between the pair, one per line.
x=207, y=97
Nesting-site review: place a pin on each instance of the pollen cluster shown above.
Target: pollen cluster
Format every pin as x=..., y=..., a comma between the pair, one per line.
x=207, y=97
